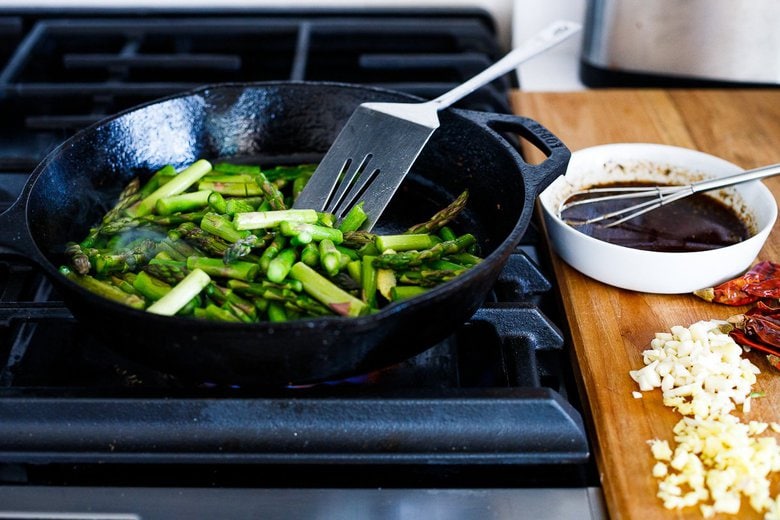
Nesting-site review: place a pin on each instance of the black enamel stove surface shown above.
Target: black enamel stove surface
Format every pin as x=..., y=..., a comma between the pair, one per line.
x=492, y=405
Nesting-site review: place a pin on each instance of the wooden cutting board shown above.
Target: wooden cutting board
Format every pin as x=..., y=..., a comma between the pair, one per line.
x=610, y=327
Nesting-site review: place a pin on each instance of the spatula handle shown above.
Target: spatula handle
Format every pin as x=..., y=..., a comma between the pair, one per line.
x=547, y=38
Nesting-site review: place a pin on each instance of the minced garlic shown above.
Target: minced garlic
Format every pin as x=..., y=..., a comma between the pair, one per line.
x=717, y=459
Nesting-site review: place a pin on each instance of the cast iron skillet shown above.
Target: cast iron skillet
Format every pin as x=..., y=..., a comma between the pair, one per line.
x=275, y=123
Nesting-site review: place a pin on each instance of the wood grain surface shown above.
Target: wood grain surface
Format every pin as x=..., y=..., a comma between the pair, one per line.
x=611, y=327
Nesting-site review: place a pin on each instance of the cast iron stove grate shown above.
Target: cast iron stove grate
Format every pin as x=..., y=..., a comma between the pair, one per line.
x=59, y=74
x=496, y=393
x=491, y=393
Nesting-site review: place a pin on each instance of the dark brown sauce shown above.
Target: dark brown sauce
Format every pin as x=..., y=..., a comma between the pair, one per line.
x=696, y=223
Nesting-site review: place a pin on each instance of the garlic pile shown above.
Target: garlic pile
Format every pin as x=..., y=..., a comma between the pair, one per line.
x=717, y=458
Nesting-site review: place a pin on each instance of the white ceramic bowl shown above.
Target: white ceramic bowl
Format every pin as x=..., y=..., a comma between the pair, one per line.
x=651, y=271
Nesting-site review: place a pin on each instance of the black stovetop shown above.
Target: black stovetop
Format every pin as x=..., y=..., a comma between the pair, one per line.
x=492, y=405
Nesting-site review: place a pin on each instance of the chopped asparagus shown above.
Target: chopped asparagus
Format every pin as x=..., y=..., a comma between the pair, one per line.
x=403, y=292
x=354, y=218
x=269, y=219
x=368, y=280
x=324, y=291
x=104, y=289
x=443, y=217
x=330, y=258
x=216, y=267
x=406, y=242
x=178, y=184
x=189, y=201
x=301, y=265
x=181, y=294
x=416, y=258
x=280, y=266
x=222, y=227
x=305, y=233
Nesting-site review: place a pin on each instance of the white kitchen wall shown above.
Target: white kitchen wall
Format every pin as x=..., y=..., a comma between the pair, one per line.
x=558, y=68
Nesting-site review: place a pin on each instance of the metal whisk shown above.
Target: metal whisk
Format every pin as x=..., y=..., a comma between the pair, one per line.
x=658, y=195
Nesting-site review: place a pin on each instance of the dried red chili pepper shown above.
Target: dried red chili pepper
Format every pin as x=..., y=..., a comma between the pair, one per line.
x=742, y=339
x=758, y=328
x=761, y=281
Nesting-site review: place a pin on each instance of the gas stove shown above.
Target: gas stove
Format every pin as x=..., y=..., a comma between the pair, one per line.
x=486, y=422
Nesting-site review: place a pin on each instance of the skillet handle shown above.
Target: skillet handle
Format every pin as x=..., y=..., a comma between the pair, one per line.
x=538, y=176
x=15, y=238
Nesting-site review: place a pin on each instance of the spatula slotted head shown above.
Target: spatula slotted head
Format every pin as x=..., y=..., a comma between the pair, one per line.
x=368, y=160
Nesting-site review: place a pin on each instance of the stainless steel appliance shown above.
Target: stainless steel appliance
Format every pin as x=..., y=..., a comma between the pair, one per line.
x=673, y=42
x=482, y=425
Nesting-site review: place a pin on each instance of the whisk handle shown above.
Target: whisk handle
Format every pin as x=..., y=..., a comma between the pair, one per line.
x=738, y=178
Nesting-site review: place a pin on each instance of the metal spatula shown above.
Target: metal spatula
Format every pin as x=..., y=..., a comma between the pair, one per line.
x=380, y=141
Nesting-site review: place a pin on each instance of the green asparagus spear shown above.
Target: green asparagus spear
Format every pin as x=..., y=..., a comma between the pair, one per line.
x=209, y=243
x=259, y=288
x=466, y=259
x=406, y=242
x=129, y=196
x=222, y=227
x=443, y=217
x=427, y=277
x=310, y=255
x=330, y=258
x=125, y=285
x=216, y=267
x=355, y=268
x=290, y=173
x=179, y=184
x=124, y=224
x=235, y=169
x=184, y=202
x=153, y=183
x=229, y=300
x=79, y=260
x=276, y=312
x=236, y=205
x=385, y=281
x=217, y=202
x=171, y=272
x=104, y=289
x=276, y=245
x=123, y=261
x=354, y=218
x=446, y=233
x=270, y=219
x=368, y=280
x=280, y=266
x=271, y=192
x=243, y=247
x=402, y=292
x=181, y=294
x=213, y=312
x=299, y=183
x=408, y=259
x=321, y=289
x=232, y=189
x=357, y=239
x=305, y=233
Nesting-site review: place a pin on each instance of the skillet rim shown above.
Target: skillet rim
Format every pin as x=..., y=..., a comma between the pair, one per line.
x=440, y=292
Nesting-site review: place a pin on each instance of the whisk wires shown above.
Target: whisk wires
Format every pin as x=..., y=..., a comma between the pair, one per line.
x=659, y=196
